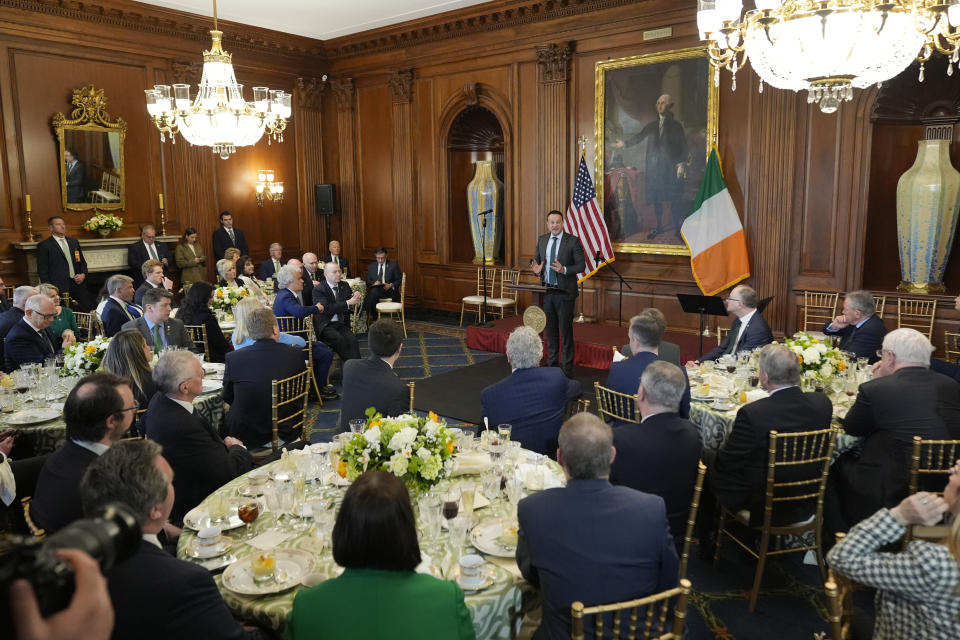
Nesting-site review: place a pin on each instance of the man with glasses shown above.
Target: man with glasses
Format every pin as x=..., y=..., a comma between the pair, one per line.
x=147, y=249
x=98, y=412
x=30, y=340
x=859, y=329
x=749, y=330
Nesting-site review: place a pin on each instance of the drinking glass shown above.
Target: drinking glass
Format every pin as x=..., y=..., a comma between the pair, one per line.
x=468, y=491
x=504, y=430
x=514, y=490
x=356, y=426
x=285, y=500
x=458, y=534
x=218, y=508
x=22, y=380
x=271, y=499
x=451, y=502
x=491, y=483
x=429, y=505
x=249, y=511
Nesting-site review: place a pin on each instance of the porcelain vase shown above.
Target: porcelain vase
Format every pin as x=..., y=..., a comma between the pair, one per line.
x=485, y=192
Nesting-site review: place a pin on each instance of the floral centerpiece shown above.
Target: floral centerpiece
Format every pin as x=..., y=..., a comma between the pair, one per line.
x=82, y=358
x=104, y=222
x=417, y=450
x=817, y=360
x=225, y=298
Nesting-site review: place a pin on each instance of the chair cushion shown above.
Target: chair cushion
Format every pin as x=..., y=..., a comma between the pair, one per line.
x=474, y=299
x=389, y=306
x=501, y=302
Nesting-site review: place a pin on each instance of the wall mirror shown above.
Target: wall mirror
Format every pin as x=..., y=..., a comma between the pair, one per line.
x=90, y=147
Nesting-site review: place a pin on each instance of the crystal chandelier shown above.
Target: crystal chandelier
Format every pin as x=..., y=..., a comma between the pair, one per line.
x=219, y=117
x=827, y=47
x=267, y=187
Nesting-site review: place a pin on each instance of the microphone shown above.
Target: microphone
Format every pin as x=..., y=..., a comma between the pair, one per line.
x=598, y=258
x=483, y=213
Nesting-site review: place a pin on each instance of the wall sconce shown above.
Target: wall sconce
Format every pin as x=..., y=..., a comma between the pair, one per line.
x=267, y=187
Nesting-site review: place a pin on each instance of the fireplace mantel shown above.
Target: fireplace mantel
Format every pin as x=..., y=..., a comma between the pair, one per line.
x=102, y=254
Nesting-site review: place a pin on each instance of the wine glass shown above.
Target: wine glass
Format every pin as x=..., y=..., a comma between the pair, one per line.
x=504, y=430
x=249, y=511
x=451, y=503
x=429, y=505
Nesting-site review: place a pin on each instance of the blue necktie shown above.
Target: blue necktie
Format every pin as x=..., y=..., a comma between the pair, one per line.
x=134, y=310
x=552, y=252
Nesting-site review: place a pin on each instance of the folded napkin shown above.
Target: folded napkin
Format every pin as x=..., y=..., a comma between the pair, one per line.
x=268, y=540
x=468, y=463
x=8, y=484
x=717, y=381
x=756, y=394
x=550, y=480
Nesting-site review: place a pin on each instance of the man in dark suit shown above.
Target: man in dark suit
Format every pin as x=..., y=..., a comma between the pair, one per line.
x=156, y=325
x=247, y=382
x=858, y=326
x=75, y=177
x=154, y=595
x=201, y=461
x=12, y=316
x=749, y=330
x=227, y=236
x=532, y=398
x=333, y=320
x=120, y=307
x=98, y=412
x=60, y=262
x=30, y=340
x=383, y=280
x=645, y=333
x=660, y=455
x=333, y=255
x=290, y=285
x=667, y=351
x=147, y=249
x=269, y=268
x=558, y=260
x=372, y=382
x=153, y=278
x=629, y=554
x=4, y=301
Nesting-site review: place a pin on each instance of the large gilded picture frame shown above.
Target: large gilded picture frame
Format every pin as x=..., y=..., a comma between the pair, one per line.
x=656, y=118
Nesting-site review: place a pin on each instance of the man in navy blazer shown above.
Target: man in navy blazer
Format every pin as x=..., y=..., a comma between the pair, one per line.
x=270, y=266
x=154, y=595
x=749, y=330
x=858, y=326
x=591, y=541
x=12, y=316
x=333, y=255
x=532, y=398
x=30, y=340
x=289, y=284
x=120, y=308
x=333, y=320
x=645, y=334
x=383, y=280
x=227, y=236
x=372, y=382
x=60, y=262
x=147, y=249
x=660, y=454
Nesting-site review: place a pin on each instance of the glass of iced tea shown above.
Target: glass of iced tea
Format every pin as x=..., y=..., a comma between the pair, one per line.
x=249, y=511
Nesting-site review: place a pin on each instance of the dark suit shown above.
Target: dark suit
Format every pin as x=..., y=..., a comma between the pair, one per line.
x=52, y=267
x=756, y=334
x=391, y=274
x=371, y=382
x=660, y=456
x=625, y=375
x=5, y=304
x=218, y=344
x=592, y=542
x=115, y=315
x=337, y=333
x=863, y=341
x=75, y=176
x=669, y=352
x=137, y=254
x=343, y=262
x=559, y=301
x=201, y=462
x=222, y=242
x=23, y=344
x=56, y=500
x=532, y=400
x=267, y=269
x=666, y=148
x=310, y=280
x=7, y=320
x=247, y=389
x=142, y=289
x=155, y=597
x=286, y=304
x=176, y=333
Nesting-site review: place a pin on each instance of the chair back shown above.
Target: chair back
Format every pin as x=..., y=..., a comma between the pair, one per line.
x=722, y=334
x=67, y=300
x=288, y=405
x=412, y=386
x=810, y=451
x=85, y=324
x=31, y=525
x=819, y=308
x=302, y=327
x=951, y=345
x=916, y=313
x=654, y=608
x=198, y=333
x=930, y=464
x=692, y=518
x=881, y=303
x=509, y=276
x=491, y=280
x=615, y=405
x=97, y=328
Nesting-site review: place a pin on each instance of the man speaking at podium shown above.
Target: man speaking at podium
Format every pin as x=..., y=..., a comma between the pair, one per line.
x=558, y=260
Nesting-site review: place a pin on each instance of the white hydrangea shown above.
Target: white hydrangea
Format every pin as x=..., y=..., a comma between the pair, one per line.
x=403, y=439
x=423, y=453
x=819, y=346
x=797, y=349
x=398, y=464
x=372, y=436
x=826, y=370
x=811, y=355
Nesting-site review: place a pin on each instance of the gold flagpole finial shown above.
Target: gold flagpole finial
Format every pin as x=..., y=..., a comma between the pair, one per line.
x=582, y=143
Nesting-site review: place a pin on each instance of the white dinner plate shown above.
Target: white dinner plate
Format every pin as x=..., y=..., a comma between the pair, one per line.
x=199, y=518
x=34, y=415
x=293, y=566
x=486, y=537
x=211, y=384
x=697, y=396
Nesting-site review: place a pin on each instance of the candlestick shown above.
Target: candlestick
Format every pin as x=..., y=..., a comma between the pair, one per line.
x=27, y=208
x=160, y=197
x=163, y=217
x=26, y=202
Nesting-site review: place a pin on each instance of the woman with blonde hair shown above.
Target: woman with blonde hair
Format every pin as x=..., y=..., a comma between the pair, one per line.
x=241, y=338
x=64, y=320
x=128, y=356
x=227, y=270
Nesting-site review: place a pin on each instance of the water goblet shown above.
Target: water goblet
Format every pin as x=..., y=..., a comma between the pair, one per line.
x=514, y=490
x=491, y=483
x=504, y=431
x=451, y=502
x=458, y=533
x=429, y=506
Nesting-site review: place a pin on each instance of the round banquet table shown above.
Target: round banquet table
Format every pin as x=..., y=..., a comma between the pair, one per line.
x=492, y=609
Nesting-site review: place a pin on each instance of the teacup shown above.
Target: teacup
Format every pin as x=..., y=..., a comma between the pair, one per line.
x=471, y=571
x=209, y=536
x=257, y=477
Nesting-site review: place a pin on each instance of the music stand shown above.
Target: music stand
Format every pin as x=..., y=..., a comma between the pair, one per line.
x=703, y=305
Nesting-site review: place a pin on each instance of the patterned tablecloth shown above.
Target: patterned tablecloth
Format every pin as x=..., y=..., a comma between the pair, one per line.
x=493, y=609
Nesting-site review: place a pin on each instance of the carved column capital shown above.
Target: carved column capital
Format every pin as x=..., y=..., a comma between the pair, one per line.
x=401, y=86
x=187, y=72
x=553, y=62
x=343, y=90
x=310, y=92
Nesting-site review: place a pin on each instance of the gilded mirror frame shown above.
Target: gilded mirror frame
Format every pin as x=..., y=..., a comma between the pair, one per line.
x=90, y=116
x=706, y=124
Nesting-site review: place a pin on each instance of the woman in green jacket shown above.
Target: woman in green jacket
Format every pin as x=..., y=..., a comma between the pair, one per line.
x=64, y=320
x=379, y=595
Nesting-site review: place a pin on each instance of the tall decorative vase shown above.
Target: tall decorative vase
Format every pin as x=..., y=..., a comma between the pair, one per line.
x=927, y=198
x=485, y=192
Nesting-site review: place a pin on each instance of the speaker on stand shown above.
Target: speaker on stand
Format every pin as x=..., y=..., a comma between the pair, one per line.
x=325, y=201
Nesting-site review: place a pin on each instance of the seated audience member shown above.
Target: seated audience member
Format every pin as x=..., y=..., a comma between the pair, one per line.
x=128, y=356
x=148, y=249
x=196, y=311
x=333, y=319
x=645, y=334
x=4, y=301
x=156, y=325
x=64, y=325
x=247, y=382
x=660, y=454
x=269, y=268
x=375, y=540
x=232, y=254
x=384, y=278
x=749, y=330
x=312, y=275
x=119, y=308
x=15, y=314
x=591, y=541
x=246, y=275
x=31, y=340
x=371, y=381
x=667, y=351
x=153, y=278
x=532, y=398
x=154, y=594
x=858, y=326
x=201, y=461
x=227, y=270
x=241, y=337
x=904, y=399
x=99, y=410
x=917, y=595
x=333, y=255
x=190, y=258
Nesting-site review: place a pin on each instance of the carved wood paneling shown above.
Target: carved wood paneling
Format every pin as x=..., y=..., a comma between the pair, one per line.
x=308, y=103
x=404, y=198
x=347, y=187
x=553, y=129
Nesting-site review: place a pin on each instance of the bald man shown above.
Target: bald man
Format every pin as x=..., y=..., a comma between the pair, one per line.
x=333, y=255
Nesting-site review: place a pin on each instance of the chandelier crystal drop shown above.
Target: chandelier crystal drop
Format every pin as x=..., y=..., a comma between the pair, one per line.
x=828, y=47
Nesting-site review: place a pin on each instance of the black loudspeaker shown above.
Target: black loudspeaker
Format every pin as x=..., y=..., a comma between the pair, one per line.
x=326, y=199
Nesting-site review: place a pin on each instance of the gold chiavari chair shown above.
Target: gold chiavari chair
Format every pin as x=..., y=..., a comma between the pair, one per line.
x=881, y=303
x=575, y=406
x=951, y=345
x=819, y=308
x=508, y=297
x=198, y=333
x=803, y=451
x=97, y=328
x=930, y=464
x=396, y=308
x=915, y=313
x=411, y=385
x=85, y=324
x=476, y=300
x=288, y=407
x=656, y=608
x=692, y=518
x=839, y=590
x=615, y=405
x=722, y=334
x=303, y=327
x=34, y=529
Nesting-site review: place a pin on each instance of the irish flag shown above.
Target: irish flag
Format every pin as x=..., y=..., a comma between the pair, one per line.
x=714, y=235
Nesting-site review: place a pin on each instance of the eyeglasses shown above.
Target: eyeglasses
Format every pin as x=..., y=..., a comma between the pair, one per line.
x=733, y=299
x=879, y=352
x=136, y=405
x=46, y=316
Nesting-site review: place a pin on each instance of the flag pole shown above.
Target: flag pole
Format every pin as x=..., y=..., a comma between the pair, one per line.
x=581, y=319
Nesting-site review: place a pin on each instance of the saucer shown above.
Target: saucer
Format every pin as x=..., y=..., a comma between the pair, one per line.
x=197, y=550
x=484, y=580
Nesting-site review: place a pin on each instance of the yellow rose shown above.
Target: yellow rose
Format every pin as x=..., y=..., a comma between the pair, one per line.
x=342, y=469
x=90, y=349
x=434, y=417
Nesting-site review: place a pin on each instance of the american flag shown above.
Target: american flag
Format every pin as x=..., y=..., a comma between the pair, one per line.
x=585, y=220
